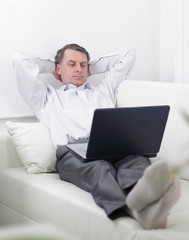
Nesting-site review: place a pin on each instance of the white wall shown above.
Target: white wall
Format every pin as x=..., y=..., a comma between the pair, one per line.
x=102, y=26
x=167, y=40
x=186, y=41
x=174, y=41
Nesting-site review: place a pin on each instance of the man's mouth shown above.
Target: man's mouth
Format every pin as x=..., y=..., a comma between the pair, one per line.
x=78, y=76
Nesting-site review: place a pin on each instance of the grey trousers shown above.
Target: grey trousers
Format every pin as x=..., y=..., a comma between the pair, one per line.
x=108, y=182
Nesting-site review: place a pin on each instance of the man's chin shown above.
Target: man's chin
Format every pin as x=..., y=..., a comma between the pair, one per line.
x=79, y=83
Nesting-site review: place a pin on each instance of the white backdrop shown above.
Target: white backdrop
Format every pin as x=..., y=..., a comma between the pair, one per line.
x=181, y=46
x=102, y=26
x=174, y=41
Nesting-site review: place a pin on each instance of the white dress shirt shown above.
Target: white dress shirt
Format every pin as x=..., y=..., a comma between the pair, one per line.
x=68, y=110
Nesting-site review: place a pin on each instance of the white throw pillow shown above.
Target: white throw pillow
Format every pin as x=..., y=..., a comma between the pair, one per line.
x=33, y=145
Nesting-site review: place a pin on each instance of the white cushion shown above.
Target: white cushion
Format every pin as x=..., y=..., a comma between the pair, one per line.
x=33, y=145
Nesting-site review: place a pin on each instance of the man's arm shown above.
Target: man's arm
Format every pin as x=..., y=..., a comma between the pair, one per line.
x=118, y=65
x=107, y=62
x=27, y=68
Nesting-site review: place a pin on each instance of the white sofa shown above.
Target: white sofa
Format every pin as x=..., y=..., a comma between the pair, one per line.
x=44, y=198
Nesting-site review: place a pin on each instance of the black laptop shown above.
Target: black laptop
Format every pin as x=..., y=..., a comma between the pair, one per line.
x=120, y=132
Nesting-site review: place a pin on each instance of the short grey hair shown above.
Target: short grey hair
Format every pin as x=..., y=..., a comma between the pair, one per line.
x=60, y=53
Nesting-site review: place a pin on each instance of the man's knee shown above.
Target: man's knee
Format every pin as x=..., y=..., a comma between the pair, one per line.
x=131, y=161
x=143, y=161
x=60, y=152
x=102, y=167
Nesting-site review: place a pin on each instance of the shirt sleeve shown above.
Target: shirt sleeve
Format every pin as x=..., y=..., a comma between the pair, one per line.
x=27, y=68
x=118, y=66
x=107, y=62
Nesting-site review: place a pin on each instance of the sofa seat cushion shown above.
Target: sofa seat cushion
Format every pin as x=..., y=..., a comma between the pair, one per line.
x=46, y=199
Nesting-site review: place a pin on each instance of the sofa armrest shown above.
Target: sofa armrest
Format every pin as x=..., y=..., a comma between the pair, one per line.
x=8, y=155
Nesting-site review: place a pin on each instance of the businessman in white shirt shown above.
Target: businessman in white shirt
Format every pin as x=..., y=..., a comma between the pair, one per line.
x=131, y=186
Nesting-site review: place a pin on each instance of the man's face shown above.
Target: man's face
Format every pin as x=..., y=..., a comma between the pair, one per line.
x=74, y=68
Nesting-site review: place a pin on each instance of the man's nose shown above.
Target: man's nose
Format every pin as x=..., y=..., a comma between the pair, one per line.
x=78, y=68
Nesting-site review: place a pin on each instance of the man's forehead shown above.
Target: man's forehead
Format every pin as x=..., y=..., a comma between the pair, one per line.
x=73, y=55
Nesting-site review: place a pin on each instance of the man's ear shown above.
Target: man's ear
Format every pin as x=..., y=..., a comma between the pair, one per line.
x=88, y=72
x=56, y=73
x=58, y=69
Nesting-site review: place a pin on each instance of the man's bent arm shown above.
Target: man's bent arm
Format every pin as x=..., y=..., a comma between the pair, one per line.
x=118, y=67
x=107, y=62
x=27, y=68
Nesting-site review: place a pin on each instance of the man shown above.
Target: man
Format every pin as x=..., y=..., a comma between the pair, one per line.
x=122, y=188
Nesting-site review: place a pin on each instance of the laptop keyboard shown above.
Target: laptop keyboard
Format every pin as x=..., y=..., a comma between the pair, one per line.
x=83, y=148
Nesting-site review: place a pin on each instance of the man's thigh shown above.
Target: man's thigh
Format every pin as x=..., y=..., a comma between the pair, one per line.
x=83, y=175
x=130, y=169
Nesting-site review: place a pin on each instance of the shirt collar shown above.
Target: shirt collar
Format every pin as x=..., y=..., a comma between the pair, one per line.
x=86, y=85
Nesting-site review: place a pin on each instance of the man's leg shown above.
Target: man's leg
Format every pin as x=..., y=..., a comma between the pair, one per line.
x=153, y=196
x=129, y=170
x=151, y=190
x=97, y=177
